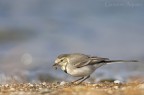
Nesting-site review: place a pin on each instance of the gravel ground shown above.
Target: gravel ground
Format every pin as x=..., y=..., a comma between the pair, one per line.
x=64, y=88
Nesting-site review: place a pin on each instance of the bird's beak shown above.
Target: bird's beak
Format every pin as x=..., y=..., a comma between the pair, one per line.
x=55, y=64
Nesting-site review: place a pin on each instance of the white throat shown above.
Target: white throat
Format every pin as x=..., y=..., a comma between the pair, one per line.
x=63, y=67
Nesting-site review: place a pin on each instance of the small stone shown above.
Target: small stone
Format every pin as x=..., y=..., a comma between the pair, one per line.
x=44, y=83
x=31, y=85
x=141, y=86
x=43, y=91
x=62, y=83
x=116, y=87
x=117, y=81
x=12, y=89
x=6, y=85
x=94, y=85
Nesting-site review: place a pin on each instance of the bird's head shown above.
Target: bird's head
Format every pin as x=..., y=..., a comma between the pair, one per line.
x=61, y=60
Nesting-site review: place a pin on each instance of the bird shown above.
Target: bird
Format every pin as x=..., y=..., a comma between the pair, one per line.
x=82, y=65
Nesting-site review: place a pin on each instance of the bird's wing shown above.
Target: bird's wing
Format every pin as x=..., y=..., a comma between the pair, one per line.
x=82, y=63
x=96, y=59
x=90, y=61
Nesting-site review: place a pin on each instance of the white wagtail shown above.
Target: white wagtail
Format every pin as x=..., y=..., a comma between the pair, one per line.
x=81, y=65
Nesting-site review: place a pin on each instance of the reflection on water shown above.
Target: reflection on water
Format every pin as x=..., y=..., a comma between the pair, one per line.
x=33, y=33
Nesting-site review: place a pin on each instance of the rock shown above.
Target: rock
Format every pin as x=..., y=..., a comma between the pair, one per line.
x=141, y=86
x=117, y=81
x=116, y=87
x=62, y=83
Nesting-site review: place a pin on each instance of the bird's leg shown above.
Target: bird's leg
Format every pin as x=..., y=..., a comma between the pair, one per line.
x=84, y=79
x=77, y=79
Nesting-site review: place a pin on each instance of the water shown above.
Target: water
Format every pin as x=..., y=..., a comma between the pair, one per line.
x=33, y=33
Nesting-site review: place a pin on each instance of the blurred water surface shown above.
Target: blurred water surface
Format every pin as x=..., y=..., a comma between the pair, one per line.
x=34, y=32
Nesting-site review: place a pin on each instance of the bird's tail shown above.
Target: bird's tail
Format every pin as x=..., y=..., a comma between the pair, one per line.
x=112, y=61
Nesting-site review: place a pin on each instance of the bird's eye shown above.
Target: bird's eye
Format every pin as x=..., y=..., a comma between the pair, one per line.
x=61, y=60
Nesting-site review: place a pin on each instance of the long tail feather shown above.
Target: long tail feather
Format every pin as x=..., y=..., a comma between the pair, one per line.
x=111, y=61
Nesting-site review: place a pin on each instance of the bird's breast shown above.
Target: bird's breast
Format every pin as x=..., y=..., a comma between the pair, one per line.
x=80, y=72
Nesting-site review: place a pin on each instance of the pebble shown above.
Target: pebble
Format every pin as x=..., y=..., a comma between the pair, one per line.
x=6, y=85
x=117, y=81
x=31, y=85
x=62, y=83
x=12, y=89
x=116, y=87
x=94, y=84
x=141, y=86
x=43, y=91
x=44, y=83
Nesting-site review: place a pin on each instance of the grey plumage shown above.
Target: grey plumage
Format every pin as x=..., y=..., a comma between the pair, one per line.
x=81, y=65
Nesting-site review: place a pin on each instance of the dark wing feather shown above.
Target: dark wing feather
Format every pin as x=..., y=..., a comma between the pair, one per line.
x=96, y=59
